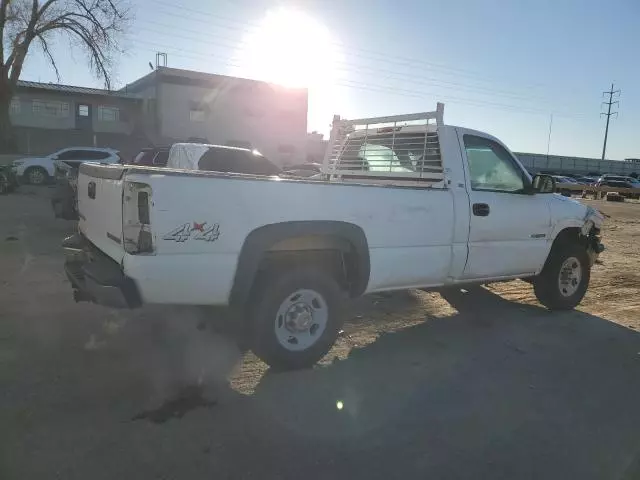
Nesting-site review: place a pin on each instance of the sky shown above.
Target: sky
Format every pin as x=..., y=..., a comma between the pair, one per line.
x=503, y=67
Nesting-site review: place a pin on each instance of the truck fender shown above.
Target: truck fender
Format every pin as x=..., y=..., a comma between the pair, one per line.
x=263, y=238
x=559, y=227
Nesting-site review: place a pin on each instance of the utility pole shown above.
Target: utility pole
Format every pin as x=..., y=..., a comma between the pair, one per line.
x=549, y=138
x=611, y=93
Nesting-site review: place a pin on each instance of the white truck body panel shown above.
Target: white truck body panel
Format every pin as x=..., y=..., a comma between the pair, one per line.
x=410, y=235
x=108, y=209
x=418, y=234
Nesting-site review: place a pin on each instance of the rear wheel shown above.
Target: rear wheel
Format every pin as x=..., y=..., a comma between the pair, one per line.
x=36, y=176
x=565, y=277
x=295, y=317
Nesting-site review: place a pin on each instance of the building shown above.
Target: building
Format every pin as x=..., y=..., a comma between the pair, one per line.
x=557, y=164
x=316, y=147
x=179, y=105
x=47, y=117
x=168, y=105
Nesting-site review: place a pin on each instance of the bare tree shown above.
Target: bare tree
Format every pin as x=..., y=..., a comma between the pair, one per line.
x=95, y=26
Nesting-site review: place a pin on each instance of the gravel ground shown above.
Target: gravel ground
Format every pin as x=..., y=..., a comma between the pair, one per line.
x=481, y=383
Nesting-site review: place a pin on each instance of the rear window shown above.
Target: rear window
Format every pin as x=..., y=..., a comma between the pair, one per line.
x=236, y=161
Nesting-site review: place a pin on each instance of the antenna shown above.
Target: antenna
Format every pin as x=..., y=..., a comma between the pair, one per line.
x=161, y=59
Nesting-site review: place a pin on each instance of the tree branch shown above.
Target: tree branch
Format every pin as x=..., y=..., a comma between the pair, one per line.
x=3, y=16
x=44, y=7
x=47, y=52
x=95, y=24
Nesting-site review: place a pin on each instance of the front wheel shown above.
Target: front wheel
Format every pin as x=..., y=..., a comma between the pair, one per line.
x=565, y=277
x=36, y=176
x=295, y=317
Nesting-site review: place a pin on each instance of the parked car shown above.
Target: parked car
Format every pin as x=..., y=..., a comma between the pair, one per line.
x=420, y=206
x=41, y=170
x=562, y=180
x=617, y=178
x=219, y=158
x=622, y=184
x=153, y=157
x=586, y=180
x=66, y=165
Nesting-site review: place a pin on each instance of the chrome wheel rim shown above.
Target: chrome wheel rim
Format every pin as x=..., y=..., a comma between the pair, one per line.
x=570, y=276
x=36, y=177
x=301, y=320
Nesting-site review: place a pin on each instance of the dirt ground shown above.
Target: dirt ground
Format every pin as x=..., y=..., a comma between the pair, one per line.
x=479, y=383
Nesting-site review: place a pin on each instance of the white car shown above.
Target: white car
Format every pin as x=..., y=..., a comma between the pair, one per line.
x=40, y=170
x=399, y=206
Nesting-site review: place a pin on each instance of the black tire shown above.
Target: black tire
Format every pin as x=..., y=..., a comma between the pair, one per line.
x=36, y=176
x=547, y=287
x=274, y=289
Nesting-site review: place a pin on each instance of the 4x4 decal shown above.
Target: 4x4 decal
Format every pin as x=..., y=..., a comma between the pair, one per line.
x=195, y=231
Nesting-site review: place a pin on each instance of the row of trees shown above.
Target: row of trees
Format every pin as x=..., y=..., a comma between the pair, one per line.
x=31, y=27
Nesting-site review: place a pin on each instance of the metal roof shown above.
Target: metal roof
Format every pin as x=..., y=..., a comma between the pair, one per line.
x=72, y=89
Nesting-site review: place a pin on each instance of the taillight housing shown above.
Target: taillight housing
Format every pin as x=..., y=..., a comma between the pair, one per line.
x=136, y=218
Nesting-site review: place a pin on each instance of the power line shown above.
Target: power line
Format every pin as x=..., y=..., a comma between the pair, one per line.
x=394, y=75
x=397, y=59
x=369, y=86
x=611, y=93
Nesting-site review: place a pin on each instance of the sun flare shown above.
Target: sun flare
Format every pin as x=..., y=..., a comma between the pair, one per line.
x=290, y=48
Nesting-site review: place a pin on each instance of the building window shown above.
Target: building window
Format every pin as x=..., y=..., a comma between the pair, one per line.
x=50, y=108
x=83, y=110
x=108, y=114
x=15, y=105
x=196, y=115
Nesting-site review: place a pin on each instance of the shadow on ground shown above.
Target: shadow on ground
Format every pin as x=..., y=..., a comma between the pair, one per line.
x=498, y=390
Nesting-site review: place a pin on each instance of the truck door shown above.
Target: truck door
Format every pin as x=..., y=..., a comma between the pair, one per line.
x=508, y=228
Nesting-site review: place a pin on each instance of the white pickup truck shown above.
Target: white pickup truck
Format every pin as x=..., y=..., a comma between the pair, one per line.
x=405, y=202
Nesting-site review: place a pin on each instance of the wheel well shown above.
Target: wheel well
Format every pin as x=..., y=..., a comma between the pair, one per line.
x=332, y=253
x=337, y=247
x=568, y=235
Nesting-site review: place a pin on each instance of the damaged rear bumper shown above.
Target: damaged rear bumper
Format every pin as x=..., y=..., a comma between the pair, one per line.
x=96, y=277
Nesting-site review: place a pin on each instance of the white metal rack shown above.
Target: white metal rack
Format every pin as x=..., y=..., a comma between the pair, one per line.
x=397, y=149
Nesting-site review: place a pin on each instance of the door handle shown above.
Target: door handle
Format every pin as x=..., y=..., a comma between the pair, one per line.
x=91, y=189
x=481, y=209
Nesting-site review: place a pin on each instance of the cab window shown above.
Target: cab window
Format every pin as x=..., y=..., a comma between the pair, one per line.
x=380, y=158
x=491, y=167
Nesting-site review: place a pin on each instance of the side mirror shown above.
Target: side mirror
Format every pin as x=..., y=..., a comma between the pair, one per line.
x=543, y=183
